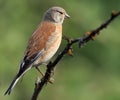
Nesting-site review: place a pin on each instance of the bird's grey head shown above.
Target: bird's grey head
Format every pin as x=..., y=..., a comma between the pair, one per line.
x=55, y=14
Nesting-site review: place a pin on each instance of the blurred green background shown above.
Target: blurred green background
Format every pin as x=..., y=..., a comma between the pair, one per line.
x=94, y=71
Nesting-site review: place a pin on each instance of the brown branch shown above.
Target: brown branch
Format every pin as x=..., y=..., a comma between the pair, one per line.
x=51, y=65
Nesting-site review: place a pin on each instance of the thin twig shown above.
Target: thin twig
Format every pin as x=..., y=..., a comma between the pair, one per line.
x=51, y=65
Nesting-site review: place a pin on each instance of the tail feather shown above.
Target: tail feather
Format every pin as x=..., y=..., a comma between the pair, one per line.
x=12, y=85
x=24, y=67
x=15, y=80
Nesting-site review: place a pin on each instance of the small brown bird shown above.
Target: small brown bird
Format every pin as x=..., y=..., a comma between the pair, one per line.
x=43, y=43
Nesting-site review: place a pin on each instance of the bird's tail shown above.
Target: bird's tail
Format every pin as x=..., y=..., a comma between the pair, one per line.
x=20, y=73
x=24, y=67
x=15, y=80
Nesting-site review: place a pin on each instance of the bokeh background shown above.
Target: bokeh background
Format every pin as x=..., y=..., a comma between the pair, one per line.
x=93, y=73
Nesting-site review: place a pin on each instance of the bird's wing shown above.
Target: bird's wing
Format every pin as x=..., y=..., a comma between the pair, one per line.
x=37, y=43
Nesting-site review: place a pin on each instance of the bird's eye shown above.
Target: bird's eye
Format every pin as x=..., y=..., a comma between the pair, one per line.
x=60, y=12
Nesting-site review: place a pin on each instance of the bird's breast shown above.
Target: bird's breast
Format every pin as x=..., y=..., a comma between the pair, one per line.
x=52, y=44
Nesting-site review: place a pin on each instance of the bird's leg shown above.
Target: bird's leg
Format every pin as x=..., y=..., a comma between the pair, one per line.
x=39, y=71
x=51, y=80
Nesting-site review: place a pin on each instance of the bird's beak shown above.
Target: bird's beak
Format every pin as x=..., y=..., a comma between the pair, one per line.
x=67, y=16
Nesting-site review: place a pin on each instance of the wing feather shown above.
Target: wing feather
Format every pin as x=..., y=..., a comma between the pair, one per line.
x=37, y=44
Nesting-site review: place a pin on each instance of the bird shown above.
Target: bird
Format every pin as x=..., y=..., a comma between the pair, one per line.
x=43, y=43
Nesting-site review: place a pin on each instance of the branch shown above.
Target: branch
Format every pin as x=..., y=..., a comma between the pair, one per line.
x=51, y=65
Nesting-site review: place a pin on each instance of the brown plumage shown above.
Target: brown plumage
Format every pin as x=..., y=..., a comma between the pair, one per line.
x=43, y=43
x=38, y=40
